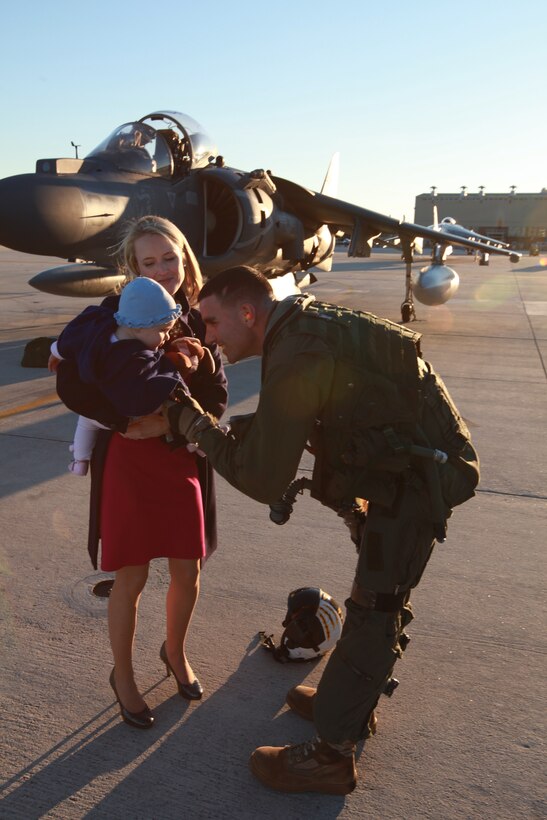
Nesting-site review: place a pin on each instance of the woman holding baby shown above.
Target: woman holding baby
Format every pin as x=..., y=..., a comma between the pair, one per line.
x=150, y=497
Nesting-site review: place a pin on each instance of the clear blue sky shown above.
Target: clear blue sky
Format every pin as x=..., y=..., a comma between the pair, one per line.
x=410, y=94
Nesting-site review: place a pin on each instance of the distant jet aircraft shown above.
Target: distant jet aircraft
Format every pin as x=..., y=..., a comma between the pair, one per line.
x=166, y=164
x=437, y=283
x=450, y=228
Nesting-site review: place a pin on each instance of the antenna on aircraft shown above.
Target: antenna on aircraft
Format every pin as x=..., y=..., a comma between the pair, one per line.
x=75, y=147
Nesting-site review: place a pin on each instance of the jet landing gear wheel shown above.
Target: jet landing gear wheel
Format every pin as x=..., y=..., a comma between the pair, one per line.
x=407, y=312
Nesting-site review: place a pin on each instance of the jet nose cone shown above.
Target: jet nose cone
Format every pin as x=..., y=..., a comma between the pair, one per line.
x=40, y=214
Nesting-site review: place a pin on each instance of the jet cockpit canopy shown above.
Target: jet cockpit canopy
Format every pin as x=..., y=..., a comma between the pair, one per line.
x=167, y=144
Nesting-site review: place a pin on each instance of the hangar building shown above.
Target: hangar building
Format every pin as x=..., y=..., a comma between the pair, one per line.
x=520, y=219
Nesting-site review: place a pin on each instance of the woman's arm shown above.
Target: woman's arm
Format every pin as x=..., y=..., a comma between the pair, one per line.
x=86, y=399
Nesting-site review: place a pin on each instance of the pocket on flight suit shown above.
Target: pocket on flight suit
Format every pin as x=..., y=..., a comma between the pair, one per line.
x=398, y=542
x=370, y=641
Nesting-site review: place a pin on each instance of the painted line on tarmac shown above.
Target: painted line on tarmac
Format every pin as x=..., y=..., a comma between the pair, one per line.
x=51, y=398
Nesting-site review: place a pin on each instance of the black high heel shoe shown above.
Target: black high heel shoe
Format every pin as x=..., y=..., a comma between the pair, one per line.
x=140, y=720
x=190, y=691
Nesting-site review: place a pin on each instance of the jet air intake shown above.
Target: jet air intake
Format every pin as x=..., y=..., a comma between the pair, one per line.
x=243, y=221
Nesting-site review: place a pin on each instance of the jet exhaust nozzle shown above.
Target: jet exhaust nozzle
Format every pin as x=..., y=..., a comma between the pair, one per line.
x=435, y=284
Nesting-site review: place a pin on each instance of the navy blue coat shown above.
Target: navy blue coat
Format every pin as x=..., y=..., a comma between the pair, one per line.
x=134, y=379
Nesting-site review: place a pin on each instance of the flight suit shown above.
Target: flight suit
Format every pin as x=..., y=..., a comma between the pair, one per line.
x=261, y=459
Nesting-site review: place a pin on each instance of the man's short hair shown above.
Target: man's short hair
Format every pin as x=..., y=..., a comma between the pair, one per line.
x=239, y=284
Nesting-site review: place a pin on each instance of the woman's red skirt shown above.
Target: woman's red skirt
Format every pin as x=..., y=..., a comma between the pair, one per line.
x=151, y=504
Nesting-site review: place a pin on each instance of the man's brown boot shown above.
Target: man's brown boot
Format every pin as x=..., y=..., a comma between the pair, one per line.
x=301, y=698
x=308, y=767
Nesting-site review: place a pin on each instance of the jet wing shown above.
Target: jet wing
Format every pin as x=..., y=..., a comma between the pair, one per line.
x=445, y=238
x=479, y=237
x=364, y=225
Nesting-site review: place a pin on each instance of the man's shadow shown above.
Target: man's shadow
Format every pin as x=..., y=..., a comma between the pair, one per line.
x=192, y=763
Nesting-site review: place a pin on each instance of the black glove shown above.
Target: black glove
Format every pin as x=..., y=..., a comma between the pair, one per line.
x=187, y=417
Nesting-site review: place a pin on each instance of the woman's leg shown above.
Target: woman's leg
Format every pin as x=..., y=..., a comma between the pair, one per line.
x=181, y=599
x=122, y=622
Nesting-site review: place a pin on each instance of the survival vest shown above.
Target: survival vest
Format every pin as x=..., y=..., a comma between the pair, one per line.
x=388, y=411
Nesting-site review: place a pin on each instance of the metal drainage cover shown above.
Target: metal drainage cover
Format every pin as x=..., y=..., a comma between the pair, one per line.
x=90, y=595
x=103, y=588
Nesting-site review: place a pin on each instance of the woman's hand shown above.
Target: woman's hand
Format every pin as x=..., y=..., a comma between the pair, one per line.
x=199, y=355
x=188, y=345
x=185, y=364
x=150, y=426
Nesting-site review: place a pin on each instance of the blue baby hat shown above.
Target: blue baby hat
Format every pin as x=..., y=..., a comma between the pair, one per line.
x=144, y=303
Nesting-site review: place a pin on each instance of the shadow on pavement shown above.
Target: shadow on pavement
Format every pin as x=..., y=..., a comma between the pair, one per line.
x=192, y=765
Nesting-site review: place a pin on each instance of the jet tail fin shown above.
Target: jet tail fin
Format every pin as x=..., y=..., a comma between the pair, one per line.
x=330, y=183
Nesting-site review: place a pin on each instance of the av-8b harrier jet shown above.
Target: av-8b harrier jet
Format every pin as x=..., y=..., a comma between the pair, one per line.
x=166, y=164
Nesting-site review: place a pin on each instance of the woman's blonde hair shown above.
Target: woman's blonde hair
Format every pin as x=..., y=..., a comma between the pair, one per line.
x=152, y=224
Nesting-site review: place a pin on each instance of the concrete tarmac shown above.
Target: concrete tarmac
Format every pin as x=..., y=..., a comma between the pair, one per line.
x=463, y=735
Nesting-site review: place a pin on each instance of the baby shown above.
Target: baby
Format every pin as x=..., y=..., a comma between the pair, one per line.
x=123, y=355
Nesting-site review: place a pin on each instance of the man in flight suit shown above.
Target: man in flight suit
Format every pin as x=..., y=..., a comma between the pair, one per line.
x=302, y=377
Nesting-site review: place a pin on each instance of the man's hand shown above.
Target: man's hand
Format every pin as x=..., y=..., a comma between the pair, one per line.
x=187, y=418
x=150, y=426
